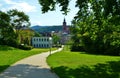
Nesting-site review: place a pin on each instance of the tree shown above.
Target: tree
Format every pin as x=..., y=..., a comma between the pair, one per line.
x=36, y=34
x=51, y=4
x=96, y=27
x=7, y=32
x=18, y=20
x=11, y=25
x=25, y=36
x=56, y=39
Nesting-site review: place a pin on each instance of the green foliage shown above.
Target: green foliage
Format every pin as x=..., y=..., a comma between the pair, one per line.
x=96, y=26
x=56, y=39
x=103, y=39
x=5, y=48
x=25, y=36
x=7, y=33
x=25, y=47
x=10, y=25
x=4, y=20
x=36, y=34
x=51, y=4
x=96, y=32
x=18, y=19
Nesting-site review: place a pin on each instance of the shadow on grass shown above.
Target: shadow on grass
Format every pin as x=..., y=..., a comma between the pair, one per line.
x=3, y=67
x=108, y=70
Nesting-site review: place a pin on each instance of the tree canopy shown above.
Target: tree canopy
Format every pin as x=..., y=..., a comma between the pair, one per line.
x=11, y=22
x=51, y=5
x=96, y=26
x=18, y=19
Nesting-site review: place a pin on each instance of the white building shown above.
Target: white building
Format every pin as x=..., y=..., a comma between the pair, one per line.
x=41, y=42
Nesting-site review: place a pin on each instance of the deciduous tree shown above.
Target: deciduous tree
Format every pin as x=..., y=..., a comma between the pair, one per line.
x=18, y=20
x=96, y=26
x=7, y=32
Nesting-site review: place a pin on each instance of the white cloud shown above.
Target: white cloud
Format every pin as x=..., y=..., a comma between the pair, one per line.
x=22, y=6
x=9, y=2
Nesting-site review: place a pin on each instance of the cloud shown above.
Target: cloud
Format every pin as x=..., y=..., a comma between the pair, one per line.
x=9, y=2
x=22, y=6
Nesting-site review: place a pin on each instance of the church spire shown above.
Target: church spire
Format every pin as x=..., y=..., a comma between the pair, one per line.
x=64, y=20
x=64, y=25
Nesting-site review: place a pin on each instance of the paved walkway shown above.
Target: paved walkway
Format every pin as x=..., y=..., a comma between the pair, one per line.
x=31, y=67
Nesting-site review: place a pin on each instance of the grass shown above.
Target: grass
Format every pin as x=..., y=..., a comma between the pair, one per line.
x=68, y=64
x=10, y=55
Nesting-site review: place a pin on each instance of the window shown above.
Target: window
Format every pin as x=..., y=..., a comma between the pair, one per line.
x=34, y=39
x=45, y=45
x=39, y=45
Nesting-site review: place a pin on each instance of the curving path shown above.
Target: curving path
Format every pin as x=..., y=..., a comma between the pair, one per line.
x=31, y=67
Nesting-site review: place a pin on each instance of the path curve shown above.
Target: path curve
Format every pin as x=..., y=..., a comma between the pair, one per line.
x=31, y=67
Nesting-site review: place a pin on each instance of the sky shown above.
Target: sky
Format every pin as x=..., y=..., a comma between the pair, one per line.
x=33, y=9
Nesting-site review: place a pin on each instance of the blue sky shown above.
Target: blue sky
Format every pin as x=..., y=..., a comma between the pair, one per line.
x=33, y=9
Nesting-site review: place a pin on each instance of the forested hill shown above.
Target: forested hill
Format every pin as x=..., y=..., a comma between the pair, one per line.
x=42, y=29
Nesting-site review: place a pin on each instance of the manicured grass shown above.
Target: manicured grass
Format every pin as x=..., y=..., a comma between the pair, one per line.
x=9, y=55
x=80, y=65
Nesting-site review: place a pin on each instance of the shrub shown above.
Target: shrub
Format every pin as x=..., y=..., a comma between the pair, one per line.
x=5, y=48
x=77, y=48
x=25, y=47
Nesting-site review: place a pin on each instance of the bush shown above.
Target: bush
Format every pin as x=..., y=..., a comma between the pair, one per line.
x=5, y=48
x=25, y=47
x=77, y=48
x=9, y=42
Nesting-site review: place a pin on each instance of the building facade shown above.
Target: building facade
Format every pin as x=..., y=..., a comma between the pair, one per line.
x=41, y=42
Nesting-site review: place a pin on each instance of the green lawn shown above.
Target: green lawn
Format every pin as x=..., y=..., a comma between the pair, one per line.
x=9, y=55
x=80, y=65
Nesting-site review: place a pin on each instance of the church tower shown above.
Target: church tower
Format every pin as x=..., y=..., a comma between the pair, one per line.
x=64, y=25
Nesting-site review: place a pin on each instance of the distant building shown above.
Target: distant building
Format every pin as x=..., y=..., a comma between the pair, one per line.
x=41, y=42
x=65, y=33
x=46, y=41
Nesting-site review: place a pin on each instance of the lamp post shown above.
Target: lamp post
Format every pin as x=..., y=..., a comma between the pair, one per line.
x=50, y=44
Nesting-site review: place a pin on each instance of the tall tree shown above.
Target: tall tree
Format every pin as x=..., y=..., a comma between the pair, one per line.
x=18, y=20
x=96, y=25
x=4, y=23
x=7, y=32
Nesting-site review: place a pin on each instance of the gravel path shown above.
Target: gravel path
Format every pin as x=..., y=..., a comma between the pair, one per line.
x=31, y=67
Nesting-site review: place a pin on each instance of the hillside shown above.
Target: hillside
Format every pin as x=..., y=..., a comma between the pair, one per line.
x=43, y=29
